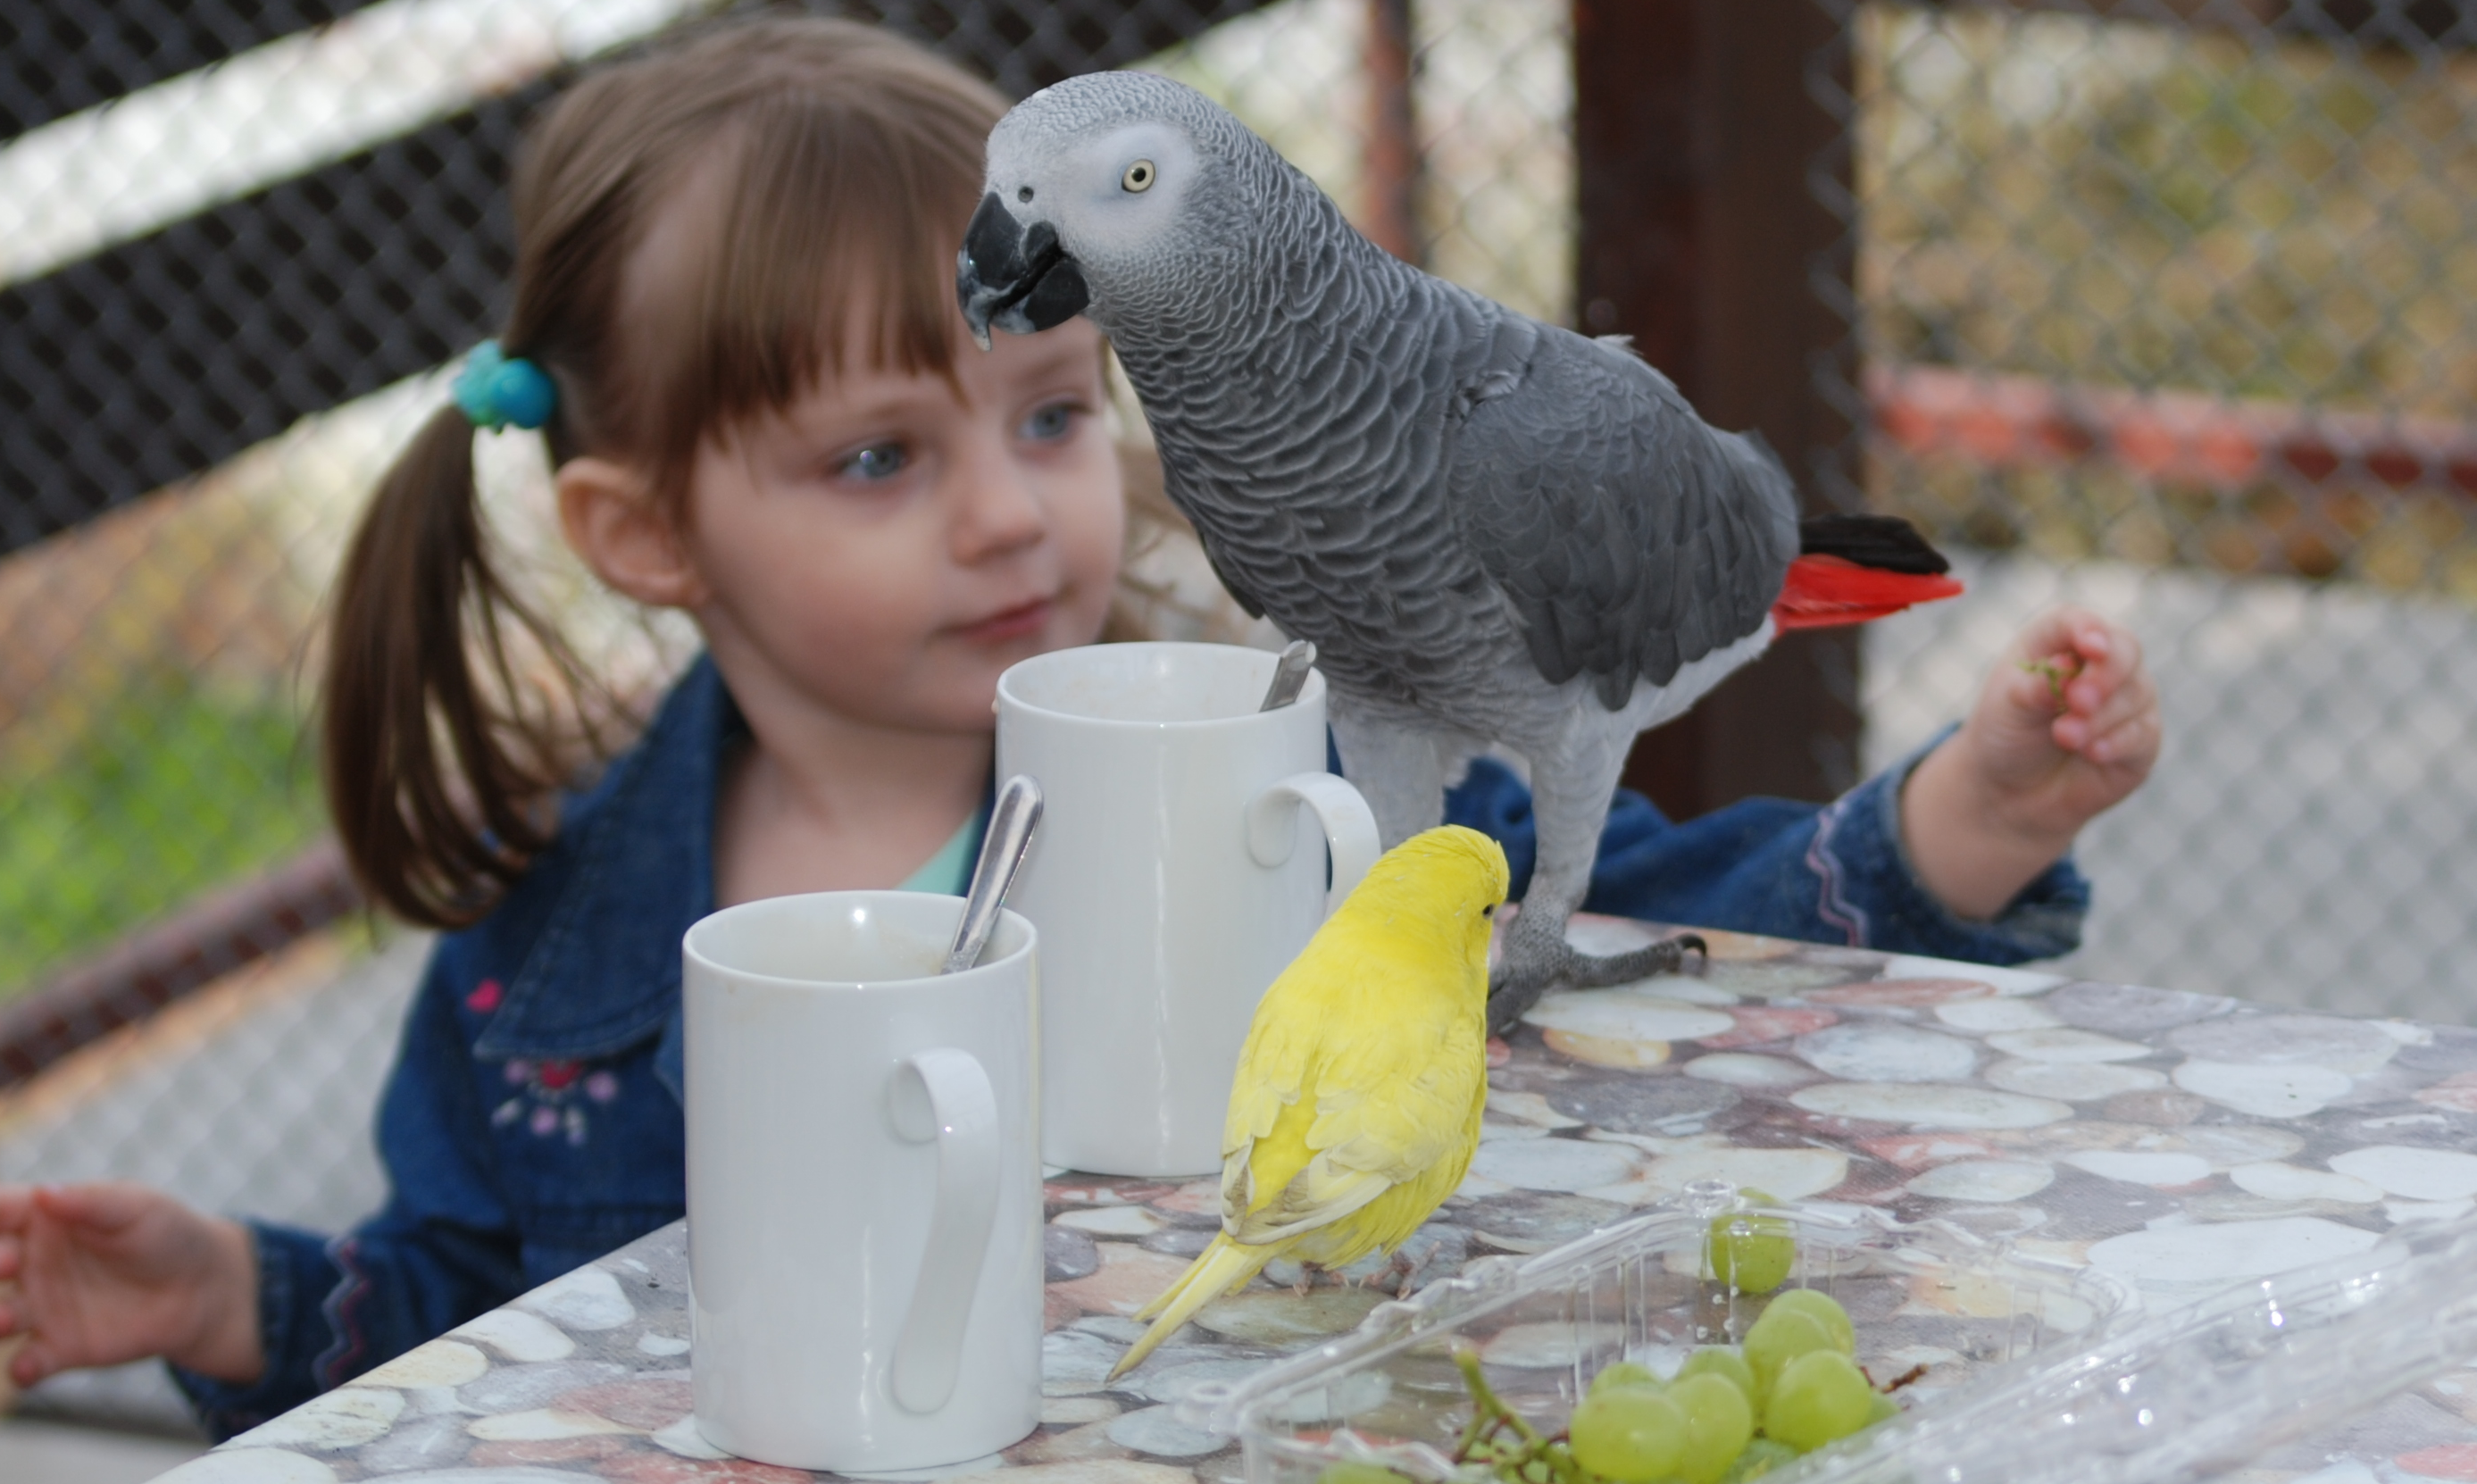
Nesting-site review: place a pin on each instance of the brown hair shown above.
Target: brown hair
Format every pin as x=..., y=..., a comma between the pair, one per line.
x=844, y=165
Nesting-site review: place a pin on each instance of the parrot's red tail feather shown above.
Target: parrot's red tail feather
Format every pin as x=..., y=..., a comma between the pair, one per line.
x=1825, y=592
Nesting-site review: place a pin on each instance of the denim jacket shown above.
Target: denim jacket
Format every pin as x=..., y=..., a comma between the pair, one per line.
x=532, y=1120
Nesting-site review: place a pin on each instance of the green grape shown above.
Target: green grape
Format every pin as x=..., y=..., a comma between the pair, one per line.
x=1624, y=1374
x=1358, y=1473
x=1722, y=1361
x=1819, y=1396
x=1823, y=1307
x=1762, y=1456
x=1781, y=1336
x=1751, y=1254
x=1628, y=1434
x=1885, y=1409
x=1718, y=1422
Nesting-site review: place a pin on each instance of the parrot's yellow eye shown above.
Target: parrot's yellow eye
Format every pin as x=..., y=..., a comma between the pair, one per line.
x=1138, y=176
x=1488, y=911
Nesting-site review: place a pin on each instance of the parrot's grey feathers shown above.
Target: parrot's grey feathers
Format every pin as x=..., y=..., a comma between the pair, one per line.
x=1494, y=529
x=1631, y=538
x=1510, y=345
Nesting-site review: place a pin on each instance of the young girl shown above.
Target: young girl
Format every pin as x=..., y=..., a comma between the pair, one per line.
x=733, y=320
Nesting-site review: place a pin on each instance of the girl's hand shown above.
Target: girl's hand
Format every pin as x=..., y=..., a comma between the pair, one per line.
x=2066, y=726
x=113, y=1273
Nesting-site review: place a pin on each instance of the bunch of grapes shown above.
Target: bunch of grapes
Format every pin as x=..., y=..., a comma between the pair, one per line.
x=1731, y=1412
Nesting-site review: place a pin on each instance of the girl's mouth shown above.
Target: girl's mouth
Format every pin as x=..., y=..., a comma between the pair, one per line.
x=1009, y=624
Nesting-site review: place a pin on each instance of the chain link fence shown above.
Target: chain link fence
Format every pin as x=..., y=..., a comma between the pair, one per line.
x=235, y=240
x=2166, y=308
x=238, y=243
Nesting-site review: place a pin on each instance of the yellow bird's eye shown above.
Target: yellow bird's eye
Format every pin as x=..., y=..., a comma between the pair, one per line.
x=1488, y=911
x=1138, y=176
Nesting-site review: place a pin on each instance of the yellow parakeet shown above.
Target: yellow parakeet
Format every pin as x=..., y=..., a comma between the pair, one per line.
x=1357, y=1096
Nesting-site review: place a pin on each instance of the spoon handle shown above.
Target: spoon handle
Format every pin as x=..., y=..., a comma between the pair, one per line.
x=1289, y=674
x=1002, y=847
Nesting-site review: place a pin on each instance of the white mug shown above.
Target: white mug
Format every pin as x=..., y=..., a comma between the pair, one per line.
x=1175, y=874
x=865, y=1204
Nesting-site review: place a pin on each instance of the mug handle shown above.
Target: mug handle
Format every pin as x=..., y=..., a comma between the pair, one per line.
x=944, y=1094
x=1349, y=827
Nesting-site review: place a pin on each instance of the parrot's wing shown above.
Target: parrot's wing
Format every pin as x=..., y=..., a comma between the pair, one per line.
x=1390, y=1102
x=1630, y=537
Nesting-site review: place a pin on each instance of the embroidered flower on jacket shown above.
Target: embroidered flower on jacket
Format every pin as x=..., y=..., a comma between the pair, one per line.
x=550, y=1096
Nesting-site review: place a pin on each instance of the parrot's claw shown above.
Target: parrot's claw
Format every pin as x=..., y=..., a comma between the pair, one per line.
x=1667, y=956
x=1520, y=978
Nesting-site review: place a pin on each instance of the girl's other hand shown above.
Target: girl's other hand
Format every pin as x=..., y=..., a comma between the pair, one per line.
x=112, y=1273
x=2067, y=723
x=2066, y=726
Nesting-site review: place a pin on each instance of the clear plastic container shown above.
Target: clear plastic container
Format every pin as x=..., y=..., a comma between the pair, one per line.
x=2194, y=1393
x=1931, y=1295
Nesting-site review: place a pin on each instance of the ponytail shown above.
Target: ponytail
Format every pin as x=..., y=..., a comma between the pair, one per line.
x=441, y=766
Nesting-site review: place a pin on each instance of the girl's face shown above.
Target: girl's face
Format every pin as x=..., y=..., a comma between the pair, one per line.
x=885, y=548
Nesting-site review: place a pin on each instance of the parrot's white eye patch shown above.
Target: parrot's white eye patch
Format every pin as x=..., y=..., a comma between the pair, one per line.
x=1138, y=176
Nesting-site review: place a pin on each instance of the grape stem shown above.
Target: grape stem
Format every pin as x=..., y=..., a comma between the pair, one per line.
x=1530, y=1459
x=1486, y=1405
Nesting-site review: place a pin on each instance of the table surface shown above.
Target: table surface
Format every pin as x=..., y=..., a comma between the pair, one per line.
x=2177, y=1140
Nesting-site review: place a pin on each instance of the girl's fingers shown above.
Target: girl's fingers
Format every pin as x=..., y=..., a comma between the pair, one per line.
x=2125, y=743
x=2027, y=691
x=2116, y=666
x=105, y=1206
x=32, y=1362
x=2132, y=699
x=16, y=1206
x=2051, y=633
x=12, y=1257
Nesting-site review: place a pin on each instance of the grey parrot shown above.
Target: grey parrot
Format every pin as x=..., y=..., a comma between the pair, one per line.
x=1495, y=531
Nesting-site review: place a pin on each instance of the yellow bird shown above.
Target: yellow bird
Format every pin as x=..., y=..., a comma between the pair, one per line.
x=1357, y=1096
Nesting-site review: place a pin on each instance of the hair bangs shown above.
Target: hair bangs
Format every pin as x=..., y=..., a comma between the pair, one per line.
x=826, y=244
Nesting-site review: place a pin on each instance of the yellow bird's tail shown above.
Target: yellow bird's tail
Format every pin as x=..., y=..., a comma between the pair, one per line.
x=1223, y=1267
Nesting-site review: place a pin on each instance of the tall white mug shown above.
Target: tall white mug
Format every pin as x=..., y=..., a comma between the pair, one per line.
x=1180, y=866
x=865, y=1256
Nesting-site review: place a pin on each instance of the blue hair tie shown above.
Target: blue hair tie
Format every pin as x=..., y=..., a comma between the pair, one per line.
x=496, y=389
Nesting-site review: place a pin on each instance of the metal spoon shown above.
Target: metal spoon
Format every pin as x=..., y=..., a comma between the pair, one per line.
x=1009, y=835
x=1289, y=674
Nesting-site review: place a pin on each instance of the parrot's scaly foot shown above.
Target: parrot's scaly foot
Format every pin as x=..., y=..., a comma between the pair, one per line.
x=1665, y=957
x=1522, y=977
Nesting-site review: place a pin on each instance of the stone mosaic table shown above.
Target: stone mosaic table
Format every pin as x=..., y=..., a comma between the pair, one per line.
x=2177, y=1140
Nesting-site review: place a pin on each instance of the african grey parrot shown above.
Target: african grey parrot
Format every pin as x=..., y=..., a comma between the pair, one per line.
x=1494, y=529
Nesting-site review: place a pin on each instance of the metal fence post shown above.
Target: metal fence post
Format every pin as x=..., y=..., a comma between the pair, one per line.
x=1697, y=138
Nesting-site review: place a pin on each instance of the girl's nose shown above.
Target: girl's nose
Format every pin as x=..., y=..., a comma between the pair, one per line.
x=997, y=510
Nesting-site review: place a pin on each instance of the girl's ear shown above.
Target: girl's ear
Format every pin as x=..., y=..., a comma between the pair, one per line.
x=624, y=534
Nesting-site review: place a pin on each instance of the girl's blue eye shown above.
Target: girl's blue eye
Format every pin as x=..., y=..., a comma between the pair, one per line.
x=1051, y=423
x=879, y=460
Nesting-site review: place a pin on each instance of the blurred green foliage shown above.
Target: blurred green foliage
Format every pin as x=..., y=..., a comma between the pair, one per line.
x=172, y=790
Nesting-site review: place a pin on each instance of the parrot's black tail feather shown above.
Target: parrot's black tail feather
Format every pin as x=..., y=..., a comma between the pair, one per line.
x=1886, y=544
x=1508, y=999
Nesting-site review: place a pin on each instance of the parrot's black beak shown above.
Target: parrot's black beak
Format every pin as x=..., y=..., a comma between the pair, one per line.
x=1020, y=282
